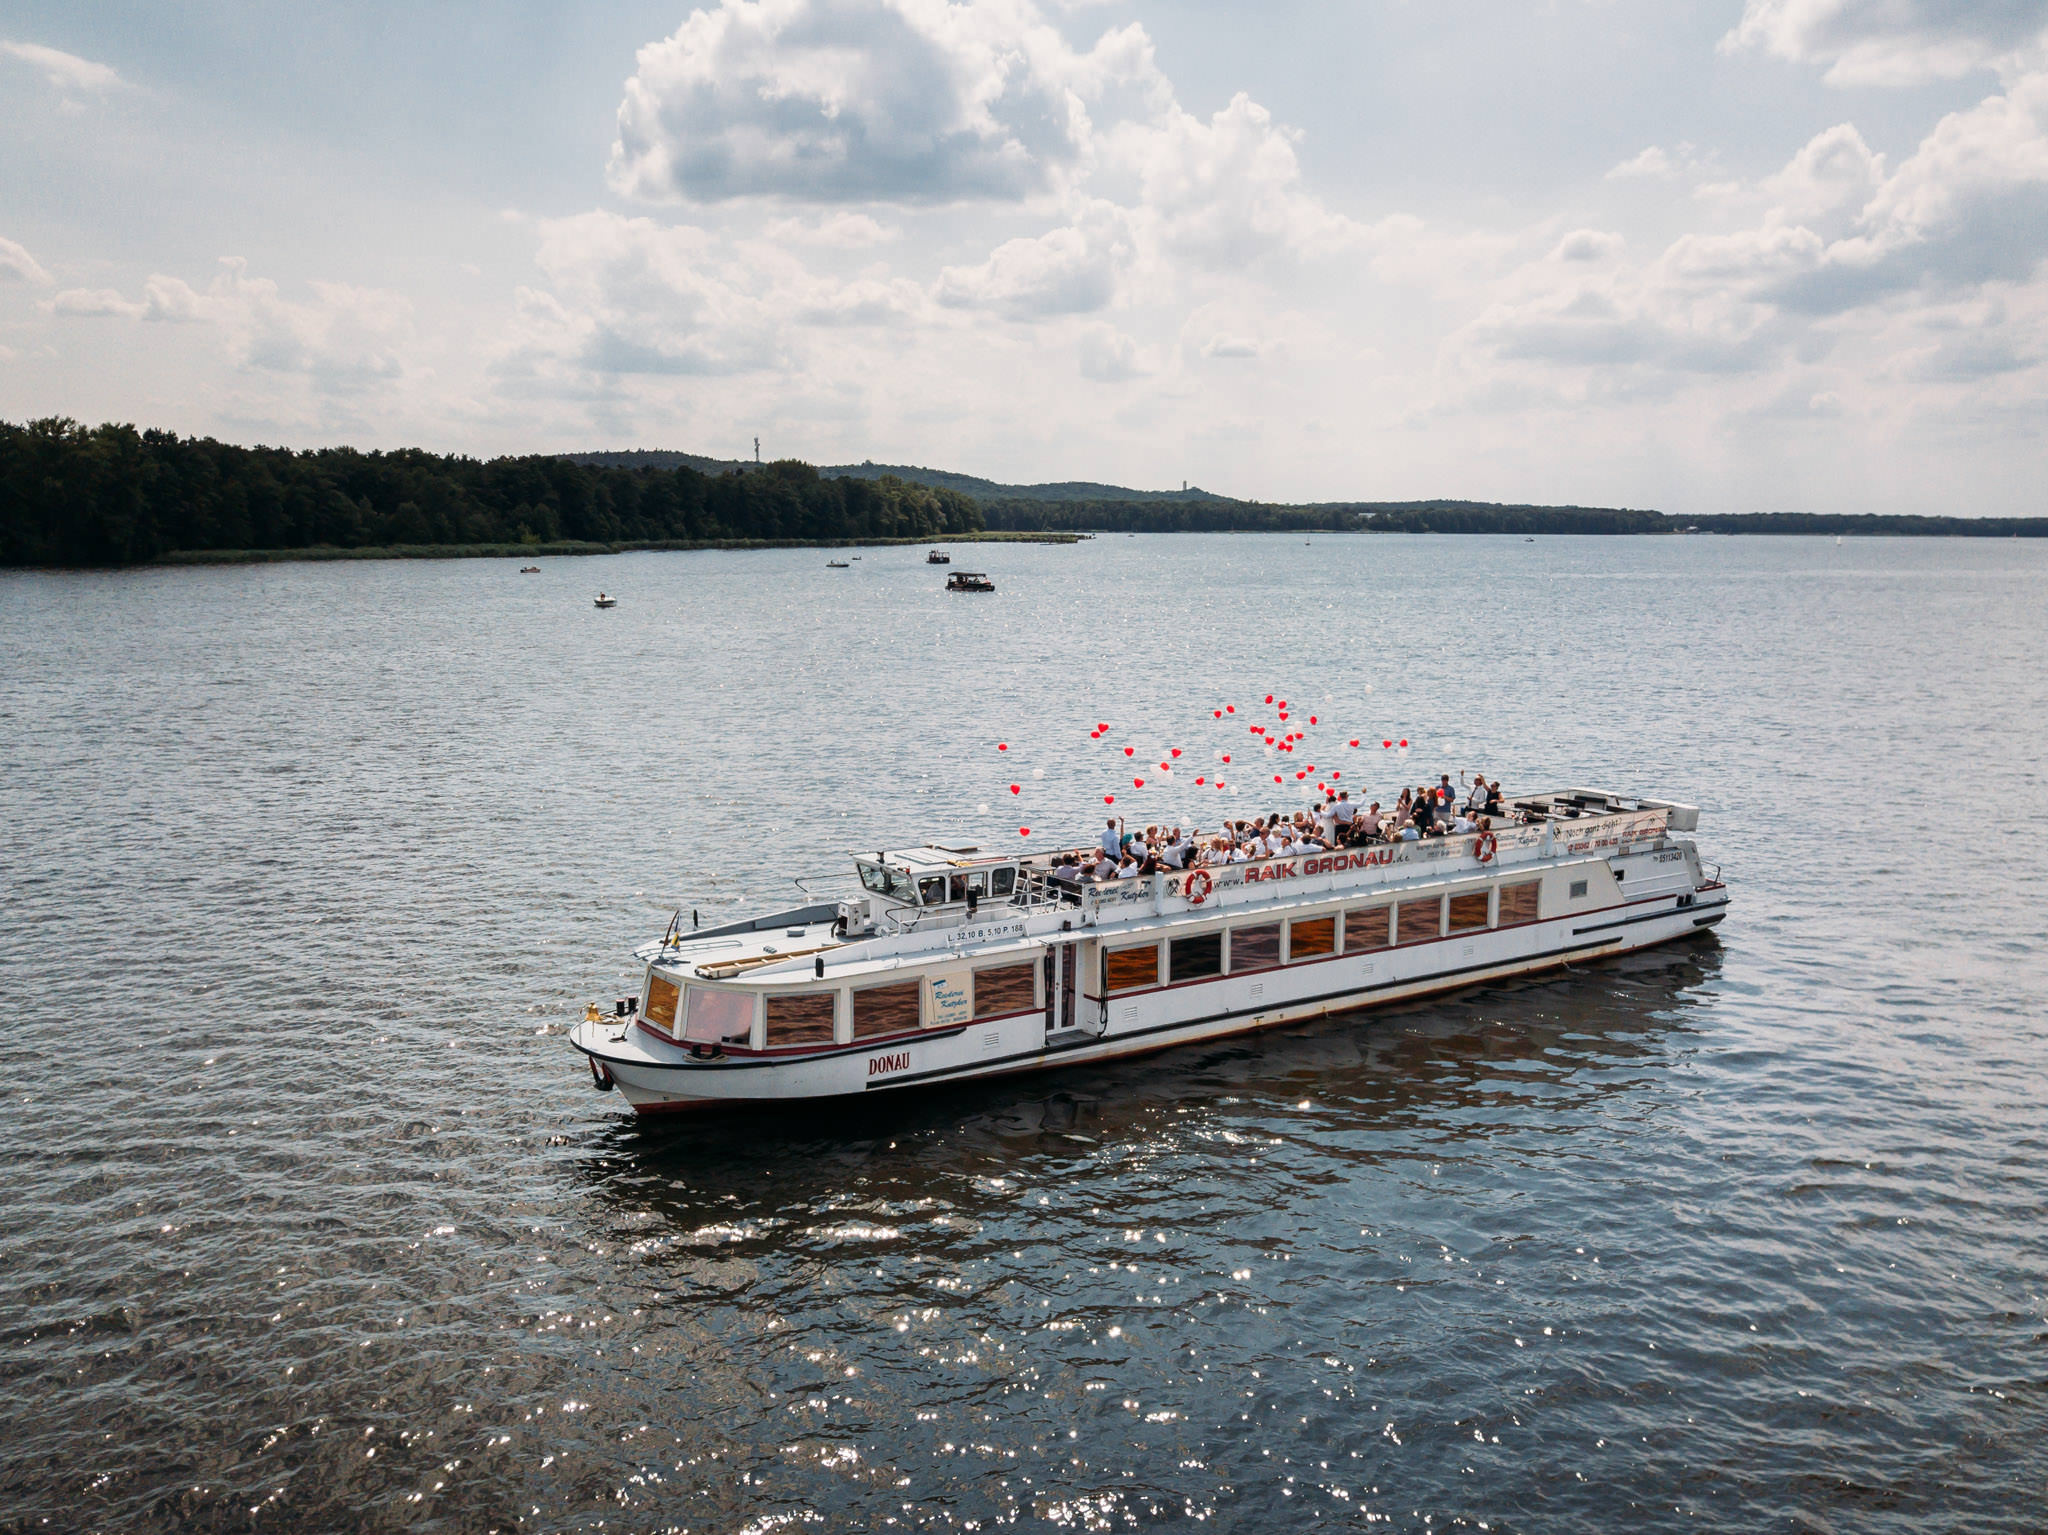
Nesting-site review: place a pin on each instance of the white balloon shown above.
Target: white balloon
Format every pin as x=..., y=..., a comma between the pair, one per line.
x=982, y=808
x=1038, y=772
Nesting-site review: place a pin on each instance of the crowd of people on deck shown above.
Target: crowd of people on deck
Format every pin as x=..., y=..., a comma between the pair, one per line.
x=1123, y=852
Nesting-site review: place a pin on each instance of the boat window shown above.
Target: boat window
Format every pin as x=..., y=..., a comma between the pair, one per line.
x=1254, y=948
x=1309, y=937
x=661, y=1001
x=1002, y=883
x=1468, y=911
x=1366, y=928
x=719, y=1017
x=1002, y=989
x=902, y=887
x=1419, y=921
x=800, y=1018
x=885, y=1009
x=874, y=878
x=932, y=889
x=1189, y=959
x=1518, y=903
x=1578, y=888
x=964, y=885
x=1130, y=969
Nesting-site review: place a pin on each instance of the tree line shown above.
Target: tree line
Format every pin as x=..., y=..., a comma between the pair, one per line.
x=112, y=495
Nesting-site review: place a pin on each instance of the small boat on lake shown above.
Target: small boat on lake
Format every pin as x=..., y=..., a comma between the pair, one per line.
x=529, y=570
x=936, y=558
x=606, y=602
x=837, y=565
x=969, y=581
x=955, y=962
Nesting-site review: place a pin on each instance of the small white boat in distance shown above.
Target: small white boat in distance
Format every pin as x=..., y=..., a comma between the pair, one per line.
x=955, y=963
x=606, y=602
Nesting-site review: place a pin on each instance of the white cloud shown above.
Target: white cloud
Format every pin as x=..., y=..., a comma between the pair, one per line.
x=64, y=71
x=1109, y=356
x=17, y=265
x=835, y=231
x=1589, y=245
x=1071, y=270
x=1651, y=165
x=1890, y=42
x=913, y=101
x=344, y=341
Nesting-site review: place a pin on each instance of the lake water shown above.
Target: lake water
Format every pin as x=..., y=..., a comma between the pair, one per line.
x=313, y=1221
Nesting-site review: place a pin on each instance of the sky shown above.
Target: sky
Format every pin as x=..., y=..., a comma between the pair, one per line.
x=1726, y=256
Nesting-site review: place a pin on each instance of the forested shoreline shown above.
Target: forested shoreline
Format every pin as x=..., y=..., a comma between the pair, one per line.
x=112, y=495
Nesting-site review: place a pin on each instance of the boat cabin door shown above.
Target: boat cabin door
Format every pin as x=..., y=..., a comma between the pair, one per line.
x=1067, y=1005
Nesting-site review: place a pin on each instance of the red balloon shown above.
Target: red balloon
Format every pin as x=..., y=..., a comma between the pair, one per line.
x=1311, y=719
x=1257, y=730
x=1218, y=713
x=1269, y=698
x=1226, y=756
x=1354, y=743
x=1130, y=751
x=1101, y=725
x=1174, y=749
x=1276, y=778
x=1283, y=714
x=1311, y=767
x=1386, y=743
x=1023, y=831
x=1283, y=703
x=1336, y=775
x=1201, y=780
x=1137, y=783
x=1230, y=708
x=1219, y=783
x=1164, y=768
x=1404, y=740
x=1109, y=799
x=1002, y=746
x=1016, y=789
x=1301, y=775
x=1094, y=735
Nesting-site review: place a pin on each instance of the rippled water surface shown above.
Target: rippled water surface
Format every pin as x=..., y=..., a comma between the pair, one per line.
x=313, y=1221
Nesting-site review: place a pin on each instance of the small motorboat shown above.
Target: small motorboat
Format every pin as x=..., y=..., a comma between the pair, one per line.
x=606, y=602
x=969, y=581
x=529, y=570
x=936, y=558
x=837, y=565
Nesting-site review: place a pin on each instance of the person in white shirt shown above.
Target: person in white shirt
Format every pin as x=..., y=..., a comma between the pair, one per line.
x=1345, y=813
x=1175, y=855
x=1111, y=843
x=1369, y=823
x=1326, y=821
x=1463, y=824
x=1476, y=800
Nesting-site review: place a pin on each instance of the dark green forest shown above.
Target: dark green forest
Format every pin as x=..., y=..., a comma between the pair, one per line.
x=110, y=495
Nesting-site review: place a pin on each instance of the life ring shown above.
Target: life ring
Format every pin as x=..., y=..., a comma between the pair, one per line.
x=1198, y=887
x=600, y=1074
x=1483, y=848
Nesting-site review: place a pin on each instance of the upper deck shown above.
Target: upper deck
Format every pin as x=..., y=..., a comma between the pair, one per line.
x=956, y=897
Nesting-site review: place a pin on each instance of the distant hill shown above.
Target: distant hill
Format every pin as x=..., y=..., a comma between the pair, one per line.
x=937, y=479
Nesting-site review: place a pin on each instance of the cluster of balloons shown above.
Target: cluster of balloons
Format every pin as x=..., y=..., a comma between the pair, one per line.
x=1283, y=743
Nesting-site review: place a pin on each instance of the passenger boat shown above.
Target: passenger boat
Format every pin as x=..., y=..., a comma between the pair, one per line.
x=936, y=558
x=956, y=963
x=837, y=565
x=969, y=581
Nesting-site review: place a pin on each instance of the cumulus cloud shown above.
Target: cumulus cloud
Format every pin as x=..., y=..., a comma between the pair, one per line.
x=1889, y=42
x=1071, y=270
x=859, y=100
x=17, y=265
x=1109, y=356
x=344, y=340
x=64, y=71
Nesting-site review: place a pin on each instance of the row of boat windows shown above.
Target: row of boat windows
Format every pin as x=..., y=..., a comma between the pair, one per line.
x=938, y=889
x=1269, y=945
x=715, y=1016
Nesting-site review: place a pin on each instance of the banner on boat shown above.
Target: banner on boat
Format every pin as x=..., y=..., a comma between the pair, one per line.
x=1563, y=838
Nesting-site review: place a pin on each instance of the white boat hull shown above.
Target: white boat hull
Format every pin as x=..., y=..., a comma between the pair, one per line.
x=656, y=1075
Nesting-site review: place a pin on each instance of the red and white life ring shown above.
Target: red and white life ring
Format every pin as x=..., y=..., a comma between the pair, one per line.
x=1198, y=887
x=1483, y=848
